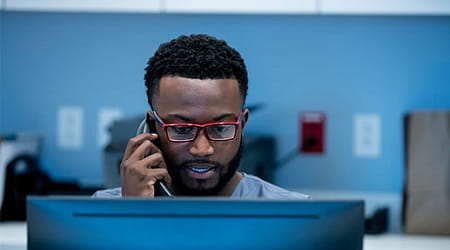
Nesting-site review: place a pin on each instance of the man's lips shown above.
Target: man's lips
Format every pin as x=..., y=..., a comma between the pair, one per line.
x=200, y=170
x=199, y=165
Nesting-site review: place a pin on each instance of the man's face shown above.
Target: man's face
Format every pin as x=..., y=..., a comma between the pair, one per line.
x=202, y=166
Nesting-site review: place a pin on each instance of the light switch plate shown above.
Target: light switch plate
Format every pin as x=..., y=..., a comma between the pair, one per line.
x=70, y=127
x=106, y=116
x=367, y=135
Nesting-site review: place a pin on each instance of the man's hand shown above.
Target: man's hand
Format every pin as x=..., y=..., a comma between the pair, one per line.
x=142, y=165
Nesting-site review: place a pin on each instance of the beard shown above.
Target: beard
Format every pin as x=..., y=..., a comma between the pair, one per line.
x=226, y=172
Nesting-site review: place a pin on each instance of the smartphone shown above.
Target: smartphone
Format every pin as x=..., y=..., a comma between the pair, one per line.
x=161, y=188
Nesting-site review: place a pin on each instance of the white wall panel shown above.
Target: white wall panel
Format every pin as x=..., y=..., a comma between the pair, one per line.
x=241, y=6
x=85, y=5
x=407, y=7
x=357, y=7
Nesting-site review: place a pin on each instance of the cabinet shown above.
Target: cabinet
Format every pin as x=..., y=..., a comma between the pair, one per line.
x=314, y=7
x=84, y=5
x=385, y=7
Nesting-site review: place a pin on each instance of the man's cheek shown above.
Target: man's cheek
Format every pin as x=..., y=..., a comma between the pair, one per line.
x=227, y=153
x=177, y=155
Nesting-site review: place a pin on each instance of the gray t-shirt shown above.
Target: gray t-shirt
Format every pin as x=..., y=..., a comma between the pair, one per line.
x=250, y=187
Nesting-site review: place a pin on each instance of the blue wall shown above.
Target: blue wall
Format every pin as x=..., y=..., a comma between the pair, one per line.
x=338, y=64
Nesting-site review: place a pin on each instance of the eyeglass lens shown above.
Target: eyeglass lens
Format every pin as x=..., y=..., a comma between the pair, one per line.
x=215, y=132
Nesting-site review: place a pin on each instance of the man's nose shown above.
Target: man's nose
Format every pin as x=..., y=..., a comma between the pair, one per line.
x=201, y=146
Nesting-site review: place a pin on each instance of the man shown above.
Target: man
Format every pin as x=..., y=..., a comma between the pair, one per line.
x=196, y=89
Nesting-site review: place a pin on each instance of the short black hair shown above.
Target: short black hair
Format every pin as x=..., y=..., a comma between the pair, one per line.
x=197, y=56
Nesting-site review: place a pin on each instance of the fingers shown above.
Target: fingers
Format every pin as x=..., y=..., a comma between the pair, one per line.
x=142, y=151
x=139, y=181
x=141, y=167
x=136, y=141
x=141, y=147
x=155, y=160
x=149, y=176
x=159, y=174
x=151, y=166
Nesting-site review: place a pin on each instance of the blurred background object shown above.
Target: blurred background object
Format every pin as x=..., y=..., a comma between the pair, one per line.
x=427, y=190
x=19, y=173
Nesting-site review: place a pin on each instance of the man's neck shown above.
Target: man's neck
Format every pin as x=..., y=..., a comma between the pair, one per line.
x=231, y=185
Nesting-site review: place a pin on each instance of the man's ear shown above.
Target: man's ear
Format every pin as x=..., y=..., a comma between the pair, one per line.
x=245, y=114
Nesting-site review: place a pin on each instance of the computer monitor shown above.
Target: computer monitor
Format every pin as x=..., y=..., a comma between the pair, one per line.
x=193, y=223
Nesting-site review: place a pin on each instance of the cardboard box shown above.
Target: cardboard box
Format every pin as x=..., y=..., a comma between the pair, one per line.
x=427, y=179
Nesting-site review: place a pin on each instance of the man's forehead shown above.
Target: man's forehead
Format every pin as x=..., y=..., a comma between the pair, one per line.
x=179, y=92
x=185, y=116
x=187, y=81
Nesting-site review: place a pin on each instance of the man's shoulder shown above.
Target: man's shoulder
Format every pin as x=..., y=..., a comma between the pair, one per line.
x=108, y=193
x=249, y=187
x=254, y=187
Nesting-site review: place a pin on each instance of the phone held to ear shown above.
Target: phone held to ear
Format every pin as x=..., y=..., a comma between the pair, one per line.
x=161, y=188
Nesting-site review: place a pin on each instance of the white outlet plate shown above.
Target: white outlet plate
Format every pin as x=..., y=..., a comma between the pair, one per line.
x=106, y=116
x=367, y=135
x=70, y=127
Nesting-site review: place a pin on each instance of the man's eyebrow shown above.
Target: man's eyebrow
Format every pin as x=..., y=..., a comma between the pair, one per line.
x=181, y=117
x=220, y=117
x=187, y=119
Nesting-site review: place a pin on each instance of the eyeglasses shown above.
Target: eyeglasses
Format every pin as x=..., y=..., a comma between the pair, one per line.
x=186, y=132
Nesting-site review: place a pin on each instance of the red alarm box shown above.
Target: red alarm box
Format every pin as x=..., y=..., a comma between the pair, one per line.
x=312, y=134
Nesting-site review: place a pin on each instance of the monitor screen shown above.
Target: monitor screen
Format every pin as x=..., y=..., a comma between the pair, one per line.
x=193, y=223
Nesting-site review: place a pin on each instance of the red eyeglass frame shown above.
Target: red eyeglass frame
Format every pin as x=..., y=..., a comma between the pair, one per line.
x=201, y=126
